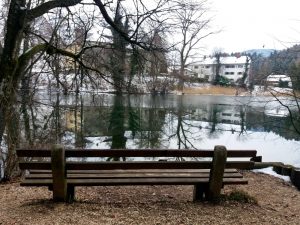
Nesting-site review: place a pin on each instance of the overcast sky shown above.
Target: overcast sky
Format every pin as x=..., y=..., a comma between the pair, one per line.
x=252, y=24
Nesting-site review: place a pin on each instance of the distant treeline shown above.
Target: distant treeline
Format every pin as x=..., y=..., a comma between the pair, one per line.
x=279, y=62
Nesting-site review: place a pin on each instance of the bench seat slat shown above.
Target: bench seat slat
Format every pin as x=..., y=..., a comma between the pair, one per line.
x=135, y=175
x=151, y=181
x=132, y=181
x=242, y=165
x=130, y=171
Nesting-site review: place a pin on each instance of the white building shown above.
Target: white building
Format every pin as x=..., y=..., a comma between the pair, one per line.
x=275, y=79
x=231, y=67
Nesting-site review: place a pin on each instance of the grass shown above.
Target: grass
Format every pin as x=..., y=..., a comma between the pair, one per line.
x=240, y=196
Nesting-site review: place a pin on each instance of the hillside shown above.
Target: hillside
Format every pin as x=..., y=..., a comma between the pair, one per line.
x=262, y=52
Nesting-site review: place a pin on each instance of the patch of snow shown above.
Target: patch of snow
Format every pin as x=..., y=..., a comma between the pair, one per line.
x=266, y=91
x=69, y=139
x=279, y=90
x=98, y=142
x=277, y=112
x=269, y=170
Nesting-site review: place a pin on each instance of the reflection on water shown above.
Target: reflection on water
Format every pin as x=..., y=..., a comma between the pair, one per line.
x=107, y=121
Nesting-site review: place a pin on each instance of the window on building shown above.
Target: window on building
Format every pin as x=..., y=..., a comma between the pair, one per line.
x=229, y=66
x=226, y=121
x=207, y=67
x=229, y=73
x=226, y=114
x=240, y=73
x=240, y=66
x=196, y=67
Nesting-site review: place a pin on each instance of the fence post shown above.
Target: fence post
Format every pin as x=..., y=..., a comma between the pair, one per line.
x=58, y=164
x=216, y=173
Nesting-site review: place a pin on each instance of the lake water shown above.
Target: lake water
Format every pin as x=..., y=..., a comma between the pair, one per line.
x=169, y=122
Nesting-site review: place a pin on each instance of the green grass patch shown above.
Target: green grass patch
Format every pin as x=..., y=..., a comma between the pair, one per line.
x=240, y=196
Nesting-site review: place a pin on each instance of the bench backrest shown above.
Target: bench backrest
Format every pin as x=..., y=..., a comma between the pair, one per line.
x=192, y=159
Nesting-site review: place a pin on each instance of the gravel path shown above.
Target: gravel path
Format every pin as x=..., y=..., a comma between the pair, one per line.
x=277, y=203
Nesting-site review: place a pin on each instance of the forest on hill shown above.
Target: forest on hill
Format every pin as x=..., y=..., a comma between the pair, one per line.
x=285, y=61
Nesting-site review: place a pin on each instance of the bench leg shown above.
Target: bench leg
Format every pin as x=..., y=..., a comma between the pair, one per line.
x=58, y=165
x=199, y=193
x=216, y=174
x=70, y=194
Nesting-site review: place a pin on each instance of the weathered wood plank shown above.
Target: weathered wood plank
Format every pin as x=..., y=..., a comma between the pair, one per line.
x=35, y=165
x=243, y=165
x=135, y=165
x=58, y=165
x=134, y=175
x=33, y=152
x=216, y=173
x=155, y=153
x=129, y=182
x=152, y=181
x=36, y=182
x=147, y=181
x=132, y=171
x=133, y=153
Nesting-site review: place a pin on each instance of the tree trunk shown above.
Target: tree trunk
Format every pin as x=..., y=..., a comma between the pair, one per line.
x=10, y=165
x=117, y=124
x=9, y=73
x=181, y=75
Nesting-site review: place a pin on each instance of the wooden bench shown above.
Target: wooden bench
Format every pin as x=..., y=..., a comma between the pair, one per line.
x=62, y=170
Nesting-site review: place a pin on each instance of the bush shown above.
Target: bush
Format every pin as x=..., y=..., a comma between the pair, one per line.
x=224, y=81
x=283, y=84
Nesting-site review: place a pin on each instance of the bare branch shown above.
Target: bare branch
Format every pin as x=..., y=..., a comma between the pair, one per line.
x=291, y=116
x=47, y=6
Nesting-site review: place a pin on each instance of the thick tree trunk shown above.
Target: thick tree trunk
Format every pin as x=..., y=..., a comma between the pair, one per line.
x=117, y=124
x=181, y=79
x=10, y=168
x=7, y=100
x=9, y=76
x=181, y=71
x=2, y=123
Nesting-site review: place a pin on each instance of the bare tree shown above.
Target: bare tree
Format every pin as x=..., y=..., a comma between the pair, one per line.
x=191, y=25
x=22, y=13
x=19, y=23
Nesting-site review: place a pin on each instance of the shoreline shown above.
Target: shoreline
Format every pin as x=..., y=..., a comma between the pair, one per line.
x=205, y=89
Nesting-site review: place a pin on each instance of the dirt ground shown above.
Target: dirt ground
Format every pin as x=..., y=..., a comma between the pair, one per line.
x=278, y=202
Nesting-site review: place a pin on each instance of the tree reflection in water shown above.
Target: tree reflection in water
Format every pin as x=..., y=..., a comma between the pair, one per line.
x=144, y=122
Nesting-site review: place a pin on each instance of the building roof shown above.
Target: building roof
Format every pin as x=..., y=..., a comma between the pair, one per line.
x=277, y=77
x=223, y=60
